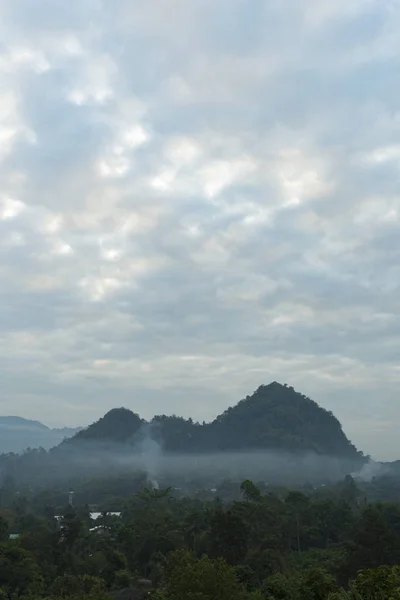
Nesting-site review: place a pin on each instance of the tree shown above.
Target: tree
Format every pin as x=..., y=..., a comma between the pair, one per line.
x=333, y=518
x=115, y=562
x=18, y=571
x=43, y=546
x=298, y=506
x=71, y=585
x=3, y=529
x=250, y=491
x=71, y=529
x=282, y=587
x=384, y=581
x=372, y=584
x=350, y=492
x=153, y=527
x=228, y=534
x=186, y=577
x=123, y=579
x=317, y=584
x=247, y=577
x=372, y=544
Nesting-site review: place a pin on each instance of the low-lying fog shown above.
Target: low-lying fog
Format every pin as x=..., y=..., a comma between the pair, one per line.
x=88, y=459
x=268, y=466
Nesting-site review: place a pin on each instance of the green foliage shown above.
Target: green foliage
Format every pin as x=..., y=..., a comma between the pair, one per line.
x=247, y=577
x=312, y=584
x=275, y=416
x=189, y=578
x=250, y=491
x=68, y=585
x=282, y=587
x=317, y=584
x=118, y=425
x=3, y=529
x=229, y=535
x=18, y=571
x=264, y=545
x=373, y=544
x=123, y=579
x=384, y=580
x=382, y=583
x=329, y=559
x=278, y=417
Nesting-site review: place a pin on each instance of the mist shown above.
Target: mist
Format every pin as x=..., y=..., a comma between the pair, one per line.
x=144, y=454
x=370, y=470
x=17, y=433
x=271, y=466
x=162, y=469
x=150, y=452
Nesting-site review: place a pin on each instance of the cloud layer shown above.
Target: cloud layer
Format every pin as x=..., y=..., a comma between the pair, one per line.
x=197, y=198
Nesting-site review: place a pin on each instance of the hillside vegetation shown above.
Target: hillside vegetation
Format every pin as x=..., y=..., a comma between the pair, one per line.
x=275, y=435
x=275, y=417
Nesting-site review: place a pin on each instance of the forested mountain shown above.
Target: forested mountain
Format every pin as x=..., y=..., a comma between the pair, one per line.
x=118, y=425
x=274, y=417
x=276, y=434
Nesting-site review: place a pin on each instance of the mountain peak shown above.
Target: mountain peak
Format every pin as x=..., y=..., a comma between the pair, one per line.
x=274, y=417
x=117, y=425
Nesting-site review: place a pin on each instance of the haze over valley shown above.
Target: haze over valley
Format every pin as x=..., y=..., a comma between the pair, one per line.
x=276, y=435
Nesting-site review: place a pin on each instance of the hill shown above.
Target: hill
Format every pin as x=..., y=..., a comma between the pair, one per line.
x=21, y=423
x=17, y=434
x=275, y=417
x=276, y=433
x=118, y=425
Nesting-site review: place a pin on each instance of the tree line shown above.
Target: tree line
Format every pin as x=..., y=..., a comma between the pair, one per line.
x=325, y=544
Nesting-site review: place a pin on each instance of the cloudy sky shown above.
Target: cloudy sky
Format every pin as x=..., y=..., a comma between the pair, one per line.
x=196, y=198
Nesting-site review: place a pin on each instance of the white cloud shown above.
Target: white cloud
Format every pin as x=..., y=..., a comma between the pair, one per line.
x=197, y=198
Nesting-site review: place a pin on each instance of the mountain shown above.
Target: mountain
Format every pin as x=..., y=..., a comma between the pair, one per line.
x=17, y=434
x=20, y=422
x=118, y=425
x=275, y=417
x=276, y=434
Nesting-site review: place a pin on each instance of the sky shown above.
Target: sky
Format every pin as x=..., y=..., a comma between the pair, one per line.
x=197, y=198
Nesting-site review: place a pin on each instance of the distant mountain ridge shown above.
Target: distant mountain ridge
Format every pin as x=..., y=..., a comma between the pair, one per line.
x=17, y=434
x=13, y=421
x=275, y=417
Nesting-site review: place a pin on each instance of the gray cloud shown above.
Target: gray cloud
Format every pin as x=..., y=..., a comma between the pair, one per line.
x=196, y=199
